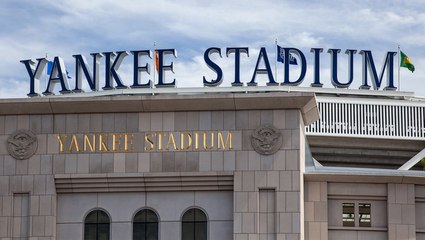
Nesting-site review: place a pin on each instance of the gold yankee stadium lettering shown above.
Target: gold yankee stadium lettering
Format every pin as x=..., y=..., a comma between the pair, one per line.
x=184, y=141
x=99, y=142
x=149, y=141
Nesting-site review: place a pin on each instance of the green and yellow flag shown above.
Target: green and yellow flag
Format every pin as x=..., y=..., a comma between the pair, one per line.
x=405, y=62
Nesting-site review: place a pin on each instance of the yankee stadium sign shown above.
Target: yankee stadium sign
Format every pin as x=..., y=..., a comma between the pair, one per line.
x=57, y=74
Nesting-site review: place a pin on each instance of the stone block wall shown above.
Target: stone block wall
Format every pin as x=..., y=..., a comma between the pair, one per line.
x=276, y=176
x=316, y=210
x=401, y=211
x=240, y=123
x=169, y=206
x=27, y=187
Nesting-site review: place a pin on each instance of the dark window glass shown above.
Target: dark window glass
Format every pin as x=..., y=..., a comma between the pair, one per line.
x=97, y=226
x=348, y=214
x=364, y=215
x=145, y=225
x=194, y=225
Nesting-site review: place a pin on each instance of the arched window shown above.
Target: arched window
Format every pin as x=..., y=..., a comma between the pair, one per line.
x=194, y=225
x=145, y=225
x=97, y=226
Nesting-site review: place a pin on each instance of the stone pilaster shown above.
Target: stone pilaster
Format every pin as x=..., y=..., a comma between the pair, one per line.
x=316, y=210
x=401, y=212
x=277, y=176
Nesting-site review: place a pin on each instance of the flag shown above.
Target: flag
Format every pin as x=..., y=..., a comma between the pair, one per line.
x=156, y=61
x=405, y=62
x=281, y=56
x=50, y=69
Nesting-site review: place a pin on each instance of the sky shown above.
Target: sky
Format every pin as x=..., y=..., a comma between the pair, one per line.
x=34, y=29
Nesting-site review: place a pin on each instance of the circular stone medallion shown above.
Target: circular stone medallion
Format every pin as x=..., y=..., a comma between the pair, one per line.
x=266, y=140
x=22, y=144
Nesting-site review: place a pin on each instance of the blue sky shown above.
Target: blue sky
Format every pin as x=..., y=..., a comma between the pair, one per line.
x=32, y=29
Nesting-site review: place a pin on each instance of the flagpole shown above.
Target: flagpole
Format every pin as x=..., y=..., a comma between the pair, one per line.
x=399, y=87
x=154, y=62
x=275, y=62
x=47, y=71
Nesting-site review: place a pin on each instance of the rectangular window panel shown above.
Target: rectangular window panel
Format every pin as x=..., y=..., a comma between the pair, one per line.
x=152, y=231
x=201, y=230
x=364, y=215
x=188, y=229
x=267, y=203
x=21, y=215
x=348, y=214
x=103, y=231
x=90, y=231
x=139, y=231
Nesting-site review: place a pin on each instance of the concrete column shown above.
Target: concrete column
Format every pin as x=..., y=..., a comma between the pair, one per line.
x=280, y=175
x=316, y=210
x=401, y=212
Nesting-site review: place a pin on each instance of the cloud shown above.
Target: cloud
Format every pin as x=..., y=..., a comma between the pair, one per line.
x=14, y=89
x=305, y=39
x=64, y=28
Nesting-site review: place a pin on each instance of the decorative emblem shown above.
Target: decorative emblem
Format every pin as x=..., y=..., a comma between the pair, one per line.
x=266, y=140
x=22, y=144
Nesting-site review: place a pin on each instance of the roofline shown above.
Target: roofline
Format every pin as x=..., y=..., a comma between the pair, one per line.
x=410, y=101
x=241, y=89
x=306, y=102
x=363, y=175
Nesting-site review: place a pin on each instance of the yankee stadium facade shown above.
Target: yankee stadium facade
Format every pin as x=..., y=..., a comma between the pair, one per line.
x=144, y=159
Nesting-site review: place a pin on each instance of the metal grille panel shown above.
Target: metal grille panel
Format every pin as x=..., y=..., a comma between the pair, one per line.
x=392, y=119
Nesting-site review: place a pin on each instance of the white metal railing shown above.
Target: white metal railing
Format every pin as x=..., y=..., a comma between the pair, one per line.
x=372, y=118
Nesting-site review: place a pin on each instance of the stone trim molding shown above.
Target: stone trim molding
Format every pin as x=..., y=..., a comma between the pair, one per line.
x=304, y=101
x=144, y=182
x=364, y=178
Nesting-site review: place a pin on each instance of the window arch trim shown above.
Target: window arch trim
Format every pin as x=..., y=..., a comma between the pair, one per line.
x=194, y=207
x=158, y=222
x=145, y=208
x=206, y=222
x=93, y=210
